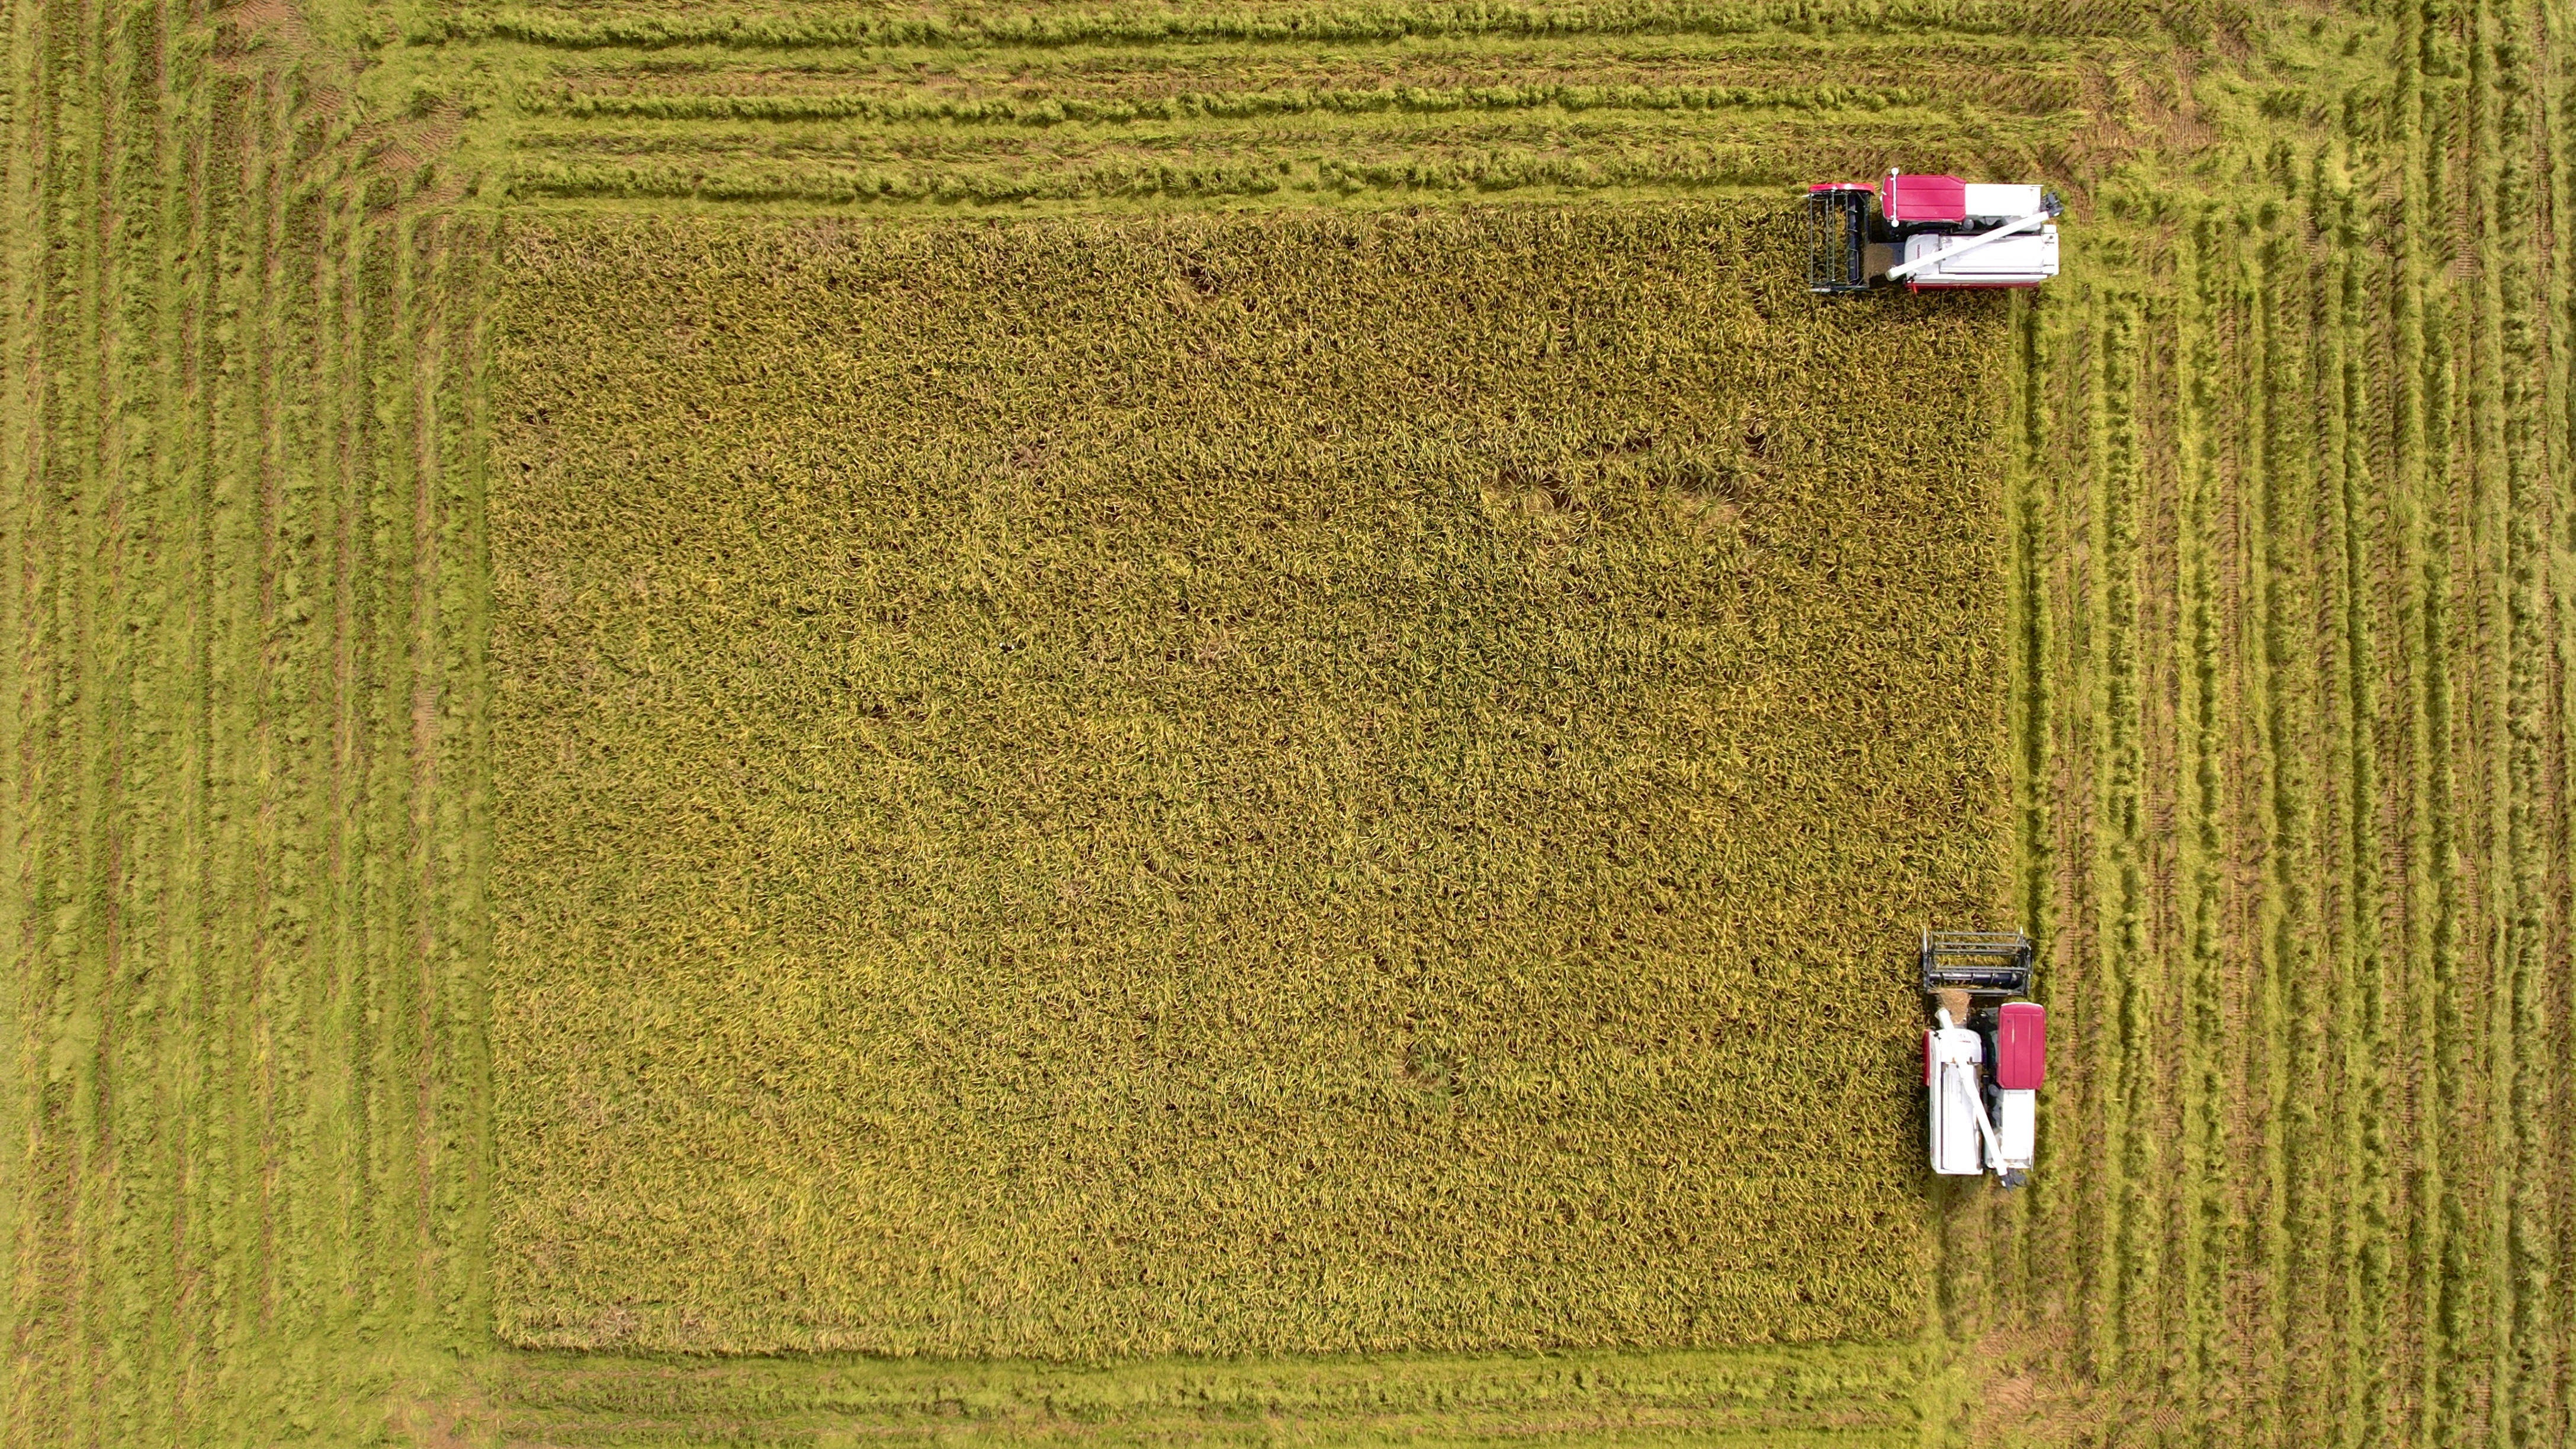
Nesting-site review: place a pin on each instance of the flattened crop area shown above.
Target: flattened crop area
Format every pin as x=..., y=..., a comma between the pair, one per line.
x=1222, y=785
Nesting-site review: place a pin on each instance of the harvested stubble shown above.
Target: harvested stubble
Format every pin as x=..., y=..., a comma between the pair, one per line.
x=1216, y=785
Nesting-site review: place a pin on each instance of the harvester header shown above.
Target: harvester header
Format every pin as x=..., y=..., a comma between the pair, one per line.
x=1929, y=232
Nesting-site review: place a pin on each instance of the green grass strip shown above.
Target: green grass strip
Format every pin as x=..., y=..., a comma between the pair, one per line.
x=1834, y=1396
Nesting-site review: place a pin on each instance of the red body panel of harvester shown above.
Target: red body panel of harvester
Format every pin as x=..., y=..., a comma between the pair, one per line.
x=1907, y=200
x=2021, y=1046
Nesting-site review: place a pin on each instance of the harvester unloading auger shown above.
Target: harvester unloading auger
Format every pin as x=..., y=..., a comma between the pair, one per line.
x=1985, y=1055
x=1929, y=231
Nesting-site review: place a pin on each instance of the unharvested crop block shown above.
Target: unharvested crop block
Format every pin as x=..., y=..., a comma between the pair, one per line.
x=1316, y=784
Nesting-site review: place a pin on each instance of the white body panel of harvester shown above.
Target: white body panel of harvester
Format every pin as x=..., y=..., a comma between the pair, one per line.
x=2023, y=260
x=2016, y=1131
x=1952, y=1055
x=1990, y=203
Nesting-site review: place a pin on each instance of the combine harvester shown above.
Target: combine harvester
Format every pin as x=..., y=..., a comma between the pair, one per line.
x=1984, y=1057
x=1929, y=231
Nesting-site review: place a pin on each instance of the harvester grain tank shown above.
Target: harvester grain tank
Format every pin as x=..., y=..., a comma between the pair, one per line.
x=1985, y=1054
x=1929, y=232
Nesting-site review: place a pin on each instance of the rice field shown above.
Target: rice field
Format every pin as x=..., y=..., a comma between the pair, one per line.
x=535, y=530
x=1064, y=791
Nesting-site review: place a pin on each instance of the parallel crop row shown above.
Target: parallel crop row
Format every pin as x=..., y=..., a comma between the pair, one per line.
x=238, y=699
x=2355, y=1214
x=645, y=27
x=1460, y=171
x=1226, y=105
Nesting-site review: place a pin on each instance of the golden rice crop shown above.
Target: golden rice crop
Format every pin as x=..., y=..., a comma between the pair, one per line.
x=1338, y=783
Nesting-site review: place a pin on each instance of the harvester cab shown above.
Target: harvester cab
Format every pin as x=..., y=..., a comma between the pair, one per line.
x=1985, y=1054
x=1929, y=231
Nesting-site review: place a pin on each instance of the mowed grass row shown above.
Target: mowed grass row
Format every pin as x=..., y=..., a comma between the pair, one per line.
x=1363, y=783
x=1845, y=1397
x=2302, y=595
x=241, y=827
x=1043, y=23
x=1011, y=86
x=1319, y=116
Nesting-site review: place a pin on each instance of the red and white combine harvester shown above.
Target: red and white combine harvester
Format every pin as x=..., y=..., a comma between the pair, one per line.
x=1929, y=231
x=1985, y=1055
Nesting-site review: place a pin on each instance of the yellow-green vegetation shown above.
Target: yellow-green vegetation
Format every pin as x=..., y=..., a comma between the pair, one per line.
x=2282, y=525
x=1812, y=1397
x=1339, y=783
x=2292, y=730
